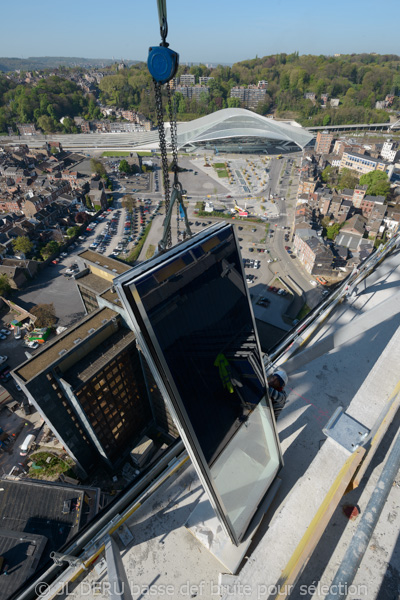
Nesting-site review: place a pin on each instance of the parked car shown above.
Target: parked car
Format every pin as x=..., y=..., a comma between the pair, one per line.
x=5, y=331
x=32, y=344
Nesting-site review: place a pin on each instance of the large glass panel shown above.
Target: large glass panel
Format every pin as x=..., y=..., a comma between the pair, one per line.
x=193, y=310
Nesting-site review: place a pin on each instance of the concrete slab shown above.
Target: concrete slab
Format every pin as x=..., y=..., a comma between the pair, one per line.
x=360, y=376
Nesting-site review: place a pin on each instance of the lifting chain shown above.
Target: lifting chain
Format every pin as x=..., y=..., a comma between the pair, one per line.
x=163, y=65
x=163, y=150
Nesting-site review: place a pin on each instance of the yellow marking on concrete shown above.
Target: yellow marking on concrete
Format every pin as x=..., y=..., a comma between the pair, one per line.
x=310, y=539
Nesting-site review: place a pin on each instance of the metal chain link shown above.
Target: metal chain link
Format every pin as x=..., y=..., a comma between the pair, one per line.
x=174, y=140
x=163, y=150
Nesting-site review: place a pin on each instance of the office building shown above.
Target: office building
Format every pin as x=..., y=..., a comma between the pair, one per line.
x=91, y=384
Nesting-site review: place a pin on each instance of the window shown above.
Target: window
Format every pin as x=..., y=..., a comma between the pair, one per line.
x=202, y=335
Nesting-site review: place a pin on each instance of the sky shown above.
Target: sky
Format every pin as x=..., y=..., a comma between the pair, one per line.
x=208, y=31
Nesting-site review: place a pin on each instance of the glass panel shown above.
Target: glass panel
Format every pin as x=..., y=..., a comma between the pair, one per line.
x=202, y=325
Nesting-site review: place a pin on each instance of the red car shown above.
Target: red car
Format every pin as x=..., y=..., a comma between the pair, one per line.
x=287, y=247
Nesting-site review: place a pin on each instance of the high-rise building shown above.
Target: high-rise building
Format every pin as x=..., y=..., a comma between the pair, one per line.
x=250, y=95
x=91, y=384
x=323, y=142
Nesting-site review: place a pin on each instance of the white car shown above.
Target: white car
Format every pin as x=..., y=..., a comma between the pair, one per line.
x=3, y=359
x=32, y=344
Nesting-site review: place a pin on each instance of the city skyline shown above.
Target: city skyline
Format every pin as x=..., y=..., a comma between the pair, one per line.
x=213, y=33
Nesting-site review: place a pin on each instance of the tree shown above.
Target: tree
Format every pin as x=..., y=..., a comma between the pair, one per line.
x=49, y=249
x=128, y=202
x=45, y=315
x=97, y=167
x=377, y=182
x=348, y=179
x=71, y=231
x=234, y=103
x=82, y=217
x=124, y=167
x=326, y=173
x=22, y=244
x=333, y=230
x=5, y=286
x=88, y=202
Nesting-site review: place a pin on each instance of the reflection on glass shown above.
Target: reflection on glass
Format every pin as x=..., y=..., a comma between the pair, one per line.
x=200, y=319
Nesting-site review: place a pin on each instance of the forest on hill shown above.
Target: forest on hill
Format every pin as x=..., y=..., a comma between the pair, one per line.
x=357, y=80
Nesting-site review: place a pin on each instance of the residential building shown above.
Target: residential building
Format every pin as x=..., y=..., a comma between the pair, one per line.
x=129, y=115
x=26, y=128
x=368, y=204
x=310, y=96
x=323, y=142
x=85, y=126
x=307, y=186
x=205, y=80
x=250, y=95
x=392, y=221
x=194, y=91
x=358, y=195
x=316, y=258
x=262, y=85
x=98, y=198
x=339, y=209
x=375, y=223
x=187, y=79
x=389, y=151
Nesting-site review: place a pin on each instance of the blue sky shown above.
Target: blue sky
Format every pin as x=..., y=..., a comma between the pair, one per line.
x=206, y=30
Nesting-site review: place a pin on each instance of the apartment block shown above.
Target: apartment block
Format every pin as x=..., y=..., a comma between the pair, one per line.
x=250, y=96
x=323, y=142
x=187, y=79
x=205, y=80
x=194, y=91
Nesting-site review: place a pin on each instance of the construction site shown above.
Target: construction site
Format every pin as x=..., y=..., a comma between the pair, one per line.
x=328, y=525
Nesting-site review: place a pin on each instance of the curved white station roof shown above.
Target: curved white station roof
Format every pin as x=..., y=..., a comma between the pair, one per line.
x=239, y=122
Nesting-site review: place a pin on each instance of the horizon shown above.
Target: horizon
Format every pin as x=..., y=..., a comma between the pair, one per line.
x=221, y=33
x=213, y=63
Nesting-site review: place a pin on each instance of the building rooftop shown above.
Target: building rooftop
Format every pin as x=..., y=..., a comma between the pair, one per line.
x=21, y=553
x=108, y=263
x=33, y=507
x=96, y=360
x=112, y=297
x=94, y=282
x=66, y=341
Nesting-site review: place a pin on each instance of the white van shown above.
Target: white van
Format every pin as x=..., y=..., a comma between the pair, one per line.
x=27, y=445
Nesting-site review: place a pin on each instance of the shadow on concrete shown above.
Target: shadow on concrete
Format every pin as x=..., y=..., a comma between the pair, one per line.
x=313, y=572
x=314, y=394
